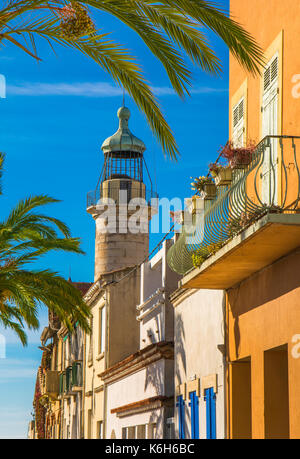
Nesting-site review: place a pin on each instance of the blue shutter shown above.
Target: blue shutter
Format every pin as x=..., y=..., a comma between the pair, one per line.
x=194, y=404
x=210, y=399
x=181, y=416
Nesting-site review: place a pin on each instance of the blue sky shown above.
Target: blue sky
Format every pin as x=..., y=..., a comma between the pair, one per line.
x=53, y=122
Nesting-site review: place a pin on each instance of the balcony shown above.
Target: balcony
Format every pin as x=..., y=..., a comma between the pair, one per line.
x=62, y=383
x=121, y=191
x=252, y=222
x=51, y=382
x=76, y=376
x=70, y=380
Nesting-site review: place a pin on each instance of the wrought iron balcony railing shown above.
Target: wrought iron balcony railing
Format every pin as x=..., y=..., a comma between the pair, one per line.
x=71, y=377
x=270, y=183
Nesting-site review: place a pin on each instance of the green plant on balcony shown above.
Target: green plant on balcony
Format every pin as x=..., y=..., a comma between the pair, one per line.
x=44, y=400
x=238, y=157
x=46, y=357
x=236, y=225
x=214, y=169
x=199, y=256
x=273, y=209
x=205, y=185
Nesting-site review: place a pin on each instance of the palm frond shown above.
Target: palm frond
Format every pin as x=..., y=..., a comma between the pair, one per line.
x=171, y=29
x=25, y=236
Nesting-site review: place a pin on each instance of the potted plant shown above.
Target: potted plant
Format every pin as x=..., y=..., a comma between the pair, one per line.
x=221, y=174
x=205, y=185
x=238, y=157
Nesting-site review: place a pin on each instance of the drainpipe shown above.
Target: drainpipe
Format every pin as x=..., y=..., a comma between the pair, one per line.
x=106, y=355
x=83, y=385
x=226, y=368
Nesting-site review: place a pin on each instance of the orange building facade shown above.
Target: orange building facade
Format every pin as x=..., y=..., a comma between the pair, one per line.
x=252, y=224
x=263, y=310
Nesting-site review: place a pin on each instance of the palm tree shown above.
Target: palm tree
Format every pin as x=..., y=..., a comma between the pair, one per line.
x=172, y=30
x=25, y=236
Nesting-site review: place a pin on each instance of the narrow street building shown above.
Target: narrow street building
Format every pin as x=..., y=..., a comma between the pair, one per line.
x=140, y=388
x=199, y=364
x=251, y=232
x=59, y=385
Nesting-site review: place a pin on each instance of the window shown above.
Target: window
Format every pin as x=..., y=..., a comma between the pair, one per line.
x=124, y=433
x=141, y=431
x=100, y=430
x=151, y=431
x=131, y=432
x=181, y=416
x=270, y=98
x=238, y=123
x=194, y=405
x=210, y=399
x=90, y=338
x=101, y=339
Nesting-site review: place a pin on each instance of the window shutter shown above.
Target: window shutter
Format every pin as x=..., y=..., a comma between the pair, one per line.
x=210, y=399
x=181, y=416
x=274, y=69
x=271, y=73
x=238, y=123
x=194, y=404
x=267, y=78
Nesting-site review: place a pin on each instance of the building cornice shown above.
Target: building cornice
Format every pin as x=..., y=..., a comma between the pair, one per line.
x=138, y=360
x=147, y=404
x=92, y=293
x=102, y=282
x=180, y=295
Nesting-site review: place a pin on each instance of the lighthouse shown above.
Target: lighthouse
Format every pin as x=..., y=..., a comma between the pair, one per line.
x=122, y=239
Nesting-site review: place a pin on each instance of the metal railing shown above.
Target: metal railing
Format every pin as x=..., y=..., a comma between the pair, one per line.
x=270, y=183
x=77, y=374
x=72, y=376
x=113, y=192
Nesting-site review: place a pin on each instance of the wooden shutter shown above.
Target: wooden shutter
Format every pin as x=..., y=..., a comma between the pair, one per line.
x=181, y=416
x=210, y=399
x=270, y=127
x=194, y=404
x=238, y=116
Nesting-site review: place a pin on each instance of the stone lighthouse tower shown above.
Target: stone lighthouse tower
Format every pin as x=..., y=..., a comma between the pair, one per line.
x=120, y=243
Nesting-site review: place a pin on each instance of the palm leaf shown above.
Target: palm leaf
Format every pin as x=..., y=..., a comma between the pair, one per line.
x=170, y=29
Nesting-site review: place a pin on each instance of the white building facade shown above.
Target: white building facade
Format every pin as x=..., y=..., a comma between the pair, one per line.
x=140, y=388
x=199, y=364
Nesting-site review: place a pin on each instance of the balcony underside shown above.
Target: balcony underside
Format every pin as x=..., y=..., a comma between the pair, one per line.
x=267, y=240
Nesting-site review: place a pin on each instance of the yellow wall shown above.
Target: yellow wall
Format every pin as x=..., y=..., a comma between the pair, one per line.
x=274, y=24
x=264, y=313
